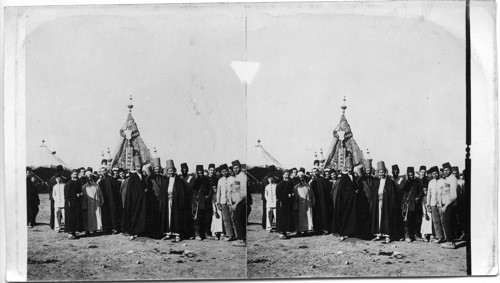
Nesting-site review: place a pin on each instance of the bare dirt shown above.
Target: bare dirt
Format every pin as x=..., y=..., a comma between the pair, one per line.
x=325, y=256
x=51, y=256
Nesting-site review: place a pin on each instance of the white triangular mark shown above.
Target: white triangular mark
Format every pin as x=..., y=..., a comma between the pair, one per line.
x=245, y=70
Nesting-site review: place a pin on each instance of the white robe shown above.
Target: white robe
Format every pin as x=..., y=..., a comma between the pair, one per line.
x=304, y=201
x=93, y=198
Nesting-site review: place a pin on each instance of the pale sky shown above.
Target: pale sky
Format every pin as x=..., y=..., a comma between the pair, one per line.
x=404, y=80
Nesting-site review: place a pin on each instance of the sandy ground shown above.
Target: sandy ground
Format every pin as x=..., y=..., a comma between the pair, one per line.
x=51, y=256
x=325, y=256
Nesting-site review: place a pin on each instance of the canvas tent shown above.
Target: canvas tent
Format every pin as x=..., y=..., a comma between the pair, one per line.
x=130, y=144
x=343, y=140
x=44, y=161
x=259, y=160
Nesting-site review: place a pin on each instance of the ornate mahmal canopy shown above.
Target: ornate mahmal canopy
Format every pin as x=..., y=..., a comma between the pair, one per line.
x=343, y=145
x=130, y=144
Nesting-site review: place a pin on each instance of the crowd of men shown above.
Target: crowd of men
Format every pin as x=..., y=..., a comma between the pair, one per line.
x=148, y=201
x=360, y=201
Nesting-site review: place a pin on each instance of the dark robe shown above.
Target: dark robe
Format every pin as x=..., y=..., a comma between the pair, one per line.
x=152, y=228
x=134, y=208
x=111, y=207
x=178, y=207
x=344, y=217
x=322, y=209
x=201, y=205
x=188, y=198
x=32, y=201
x=366, y=187
x=412, y=195
x=390, y=216
x=73, y=217
x=284, y=207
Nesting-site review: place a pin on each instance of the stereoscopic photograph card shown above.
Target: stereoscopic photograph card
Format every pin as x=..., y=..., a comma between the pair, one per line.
x=255, y=140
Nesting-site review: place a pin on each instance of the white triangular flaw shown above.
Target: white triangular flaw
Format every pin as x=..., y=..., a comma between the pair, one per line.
x=245, y=70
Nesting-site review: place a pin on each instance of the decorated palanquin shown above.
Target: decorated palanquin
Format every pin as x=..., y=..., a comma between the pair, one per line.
x=130, y=145
x=343, y=145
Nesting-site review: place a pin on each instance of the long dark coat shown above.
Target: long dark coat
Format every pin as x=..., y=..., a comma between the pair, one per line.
x=284, y=206
x=188, y=198
x=178, y=206
x=322, y=209
x=412, y=194
x=366, y=187
x=390, y=210
x=73, y=216
x=134, y=207
x=344, y=217
x=111, y=208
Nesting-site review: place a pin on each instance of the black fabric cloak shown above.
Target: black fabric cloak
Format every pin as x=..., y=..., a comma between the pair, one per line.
x=284, y=207
x=202, y=193
x=412, y=194
x=178, y=206
x=344, y=217
x=134, y=208
x=111, y=208
x=322, y=209
x=188, y=198
x=73, y=218
x=390, y=209
x=366, y=187
x=32, y=198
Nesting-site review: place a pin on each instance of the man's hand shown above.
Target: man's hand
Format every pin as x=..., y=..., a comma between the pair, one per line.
x=219, y=206
x=233, y=207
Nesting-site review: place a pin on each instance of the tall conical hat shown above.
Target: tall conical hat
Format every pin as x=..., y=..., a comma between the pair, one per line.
x=367, y=163
x=381, y=166
x=170, y=164
x=156, y=162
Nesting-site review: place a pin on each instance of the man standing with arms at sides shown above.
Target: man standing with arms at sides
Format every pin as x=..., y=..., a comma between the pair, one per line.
x=238, y=196
x=434, y=189
x=172, y=201
x=383, y=209
x=73, y=220
x=412, y=195
x=265, y=182
x=52, y=183
x=270, y=197
x=419, y=212
x=284, y=206
x=224, y=186
x=200, y=207
x=111, y=207
x=32, y=198
x=134, y=207
x=461, y=217
x=399, y=181
x=322, y=209
x=212, y=180
x=367, y=187
x=188, y=214
x=447, y=203
x=344, y=217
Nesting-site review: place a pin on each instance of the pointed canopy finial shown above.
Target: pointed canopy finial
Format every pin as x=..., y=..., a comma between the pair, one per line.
x=344, y=106
x=130, y=106
x=258, y=143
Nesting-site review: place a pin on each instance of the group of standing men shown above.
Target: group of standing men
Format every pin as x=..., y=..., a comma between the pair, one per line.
x=366, y=203
x=151, y=201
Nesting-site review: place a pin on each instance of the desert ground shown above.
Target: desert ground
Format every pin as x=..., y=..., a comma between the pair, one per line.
x=325, y=256
x=51, y=256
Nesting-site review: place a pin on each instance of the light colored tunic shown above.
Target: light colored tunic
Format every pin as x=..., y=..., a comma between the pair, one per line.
x=304, y=201
x=58, y=195
x=216, y=222
x=380, y=200
x=94, y=200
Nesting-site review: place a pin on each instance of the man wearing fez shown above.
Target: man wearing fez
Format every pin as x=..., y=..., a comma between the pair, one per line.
x=366, y=185
x=238, y=194
x=322, y=208
x=284, y=206
x=73, y=220
x=461, y=216
x=433, y=191
x=384, y=206
x=399, y=181
x=212, y=179
x=52, y=183
x=134, y=208
x=224, y=187
x=200, y=206
x=32, y=198
x=412, y=195
x=172, y=204
x=188, y=216
x=265, y=182
x=423, y=183
x=344, y=217
x=446, y=202
x=111, y=207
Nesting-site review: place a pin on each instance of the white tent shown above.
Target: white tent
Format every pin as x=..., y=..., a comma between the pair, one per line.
x=43, y=157
x=260, y=157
